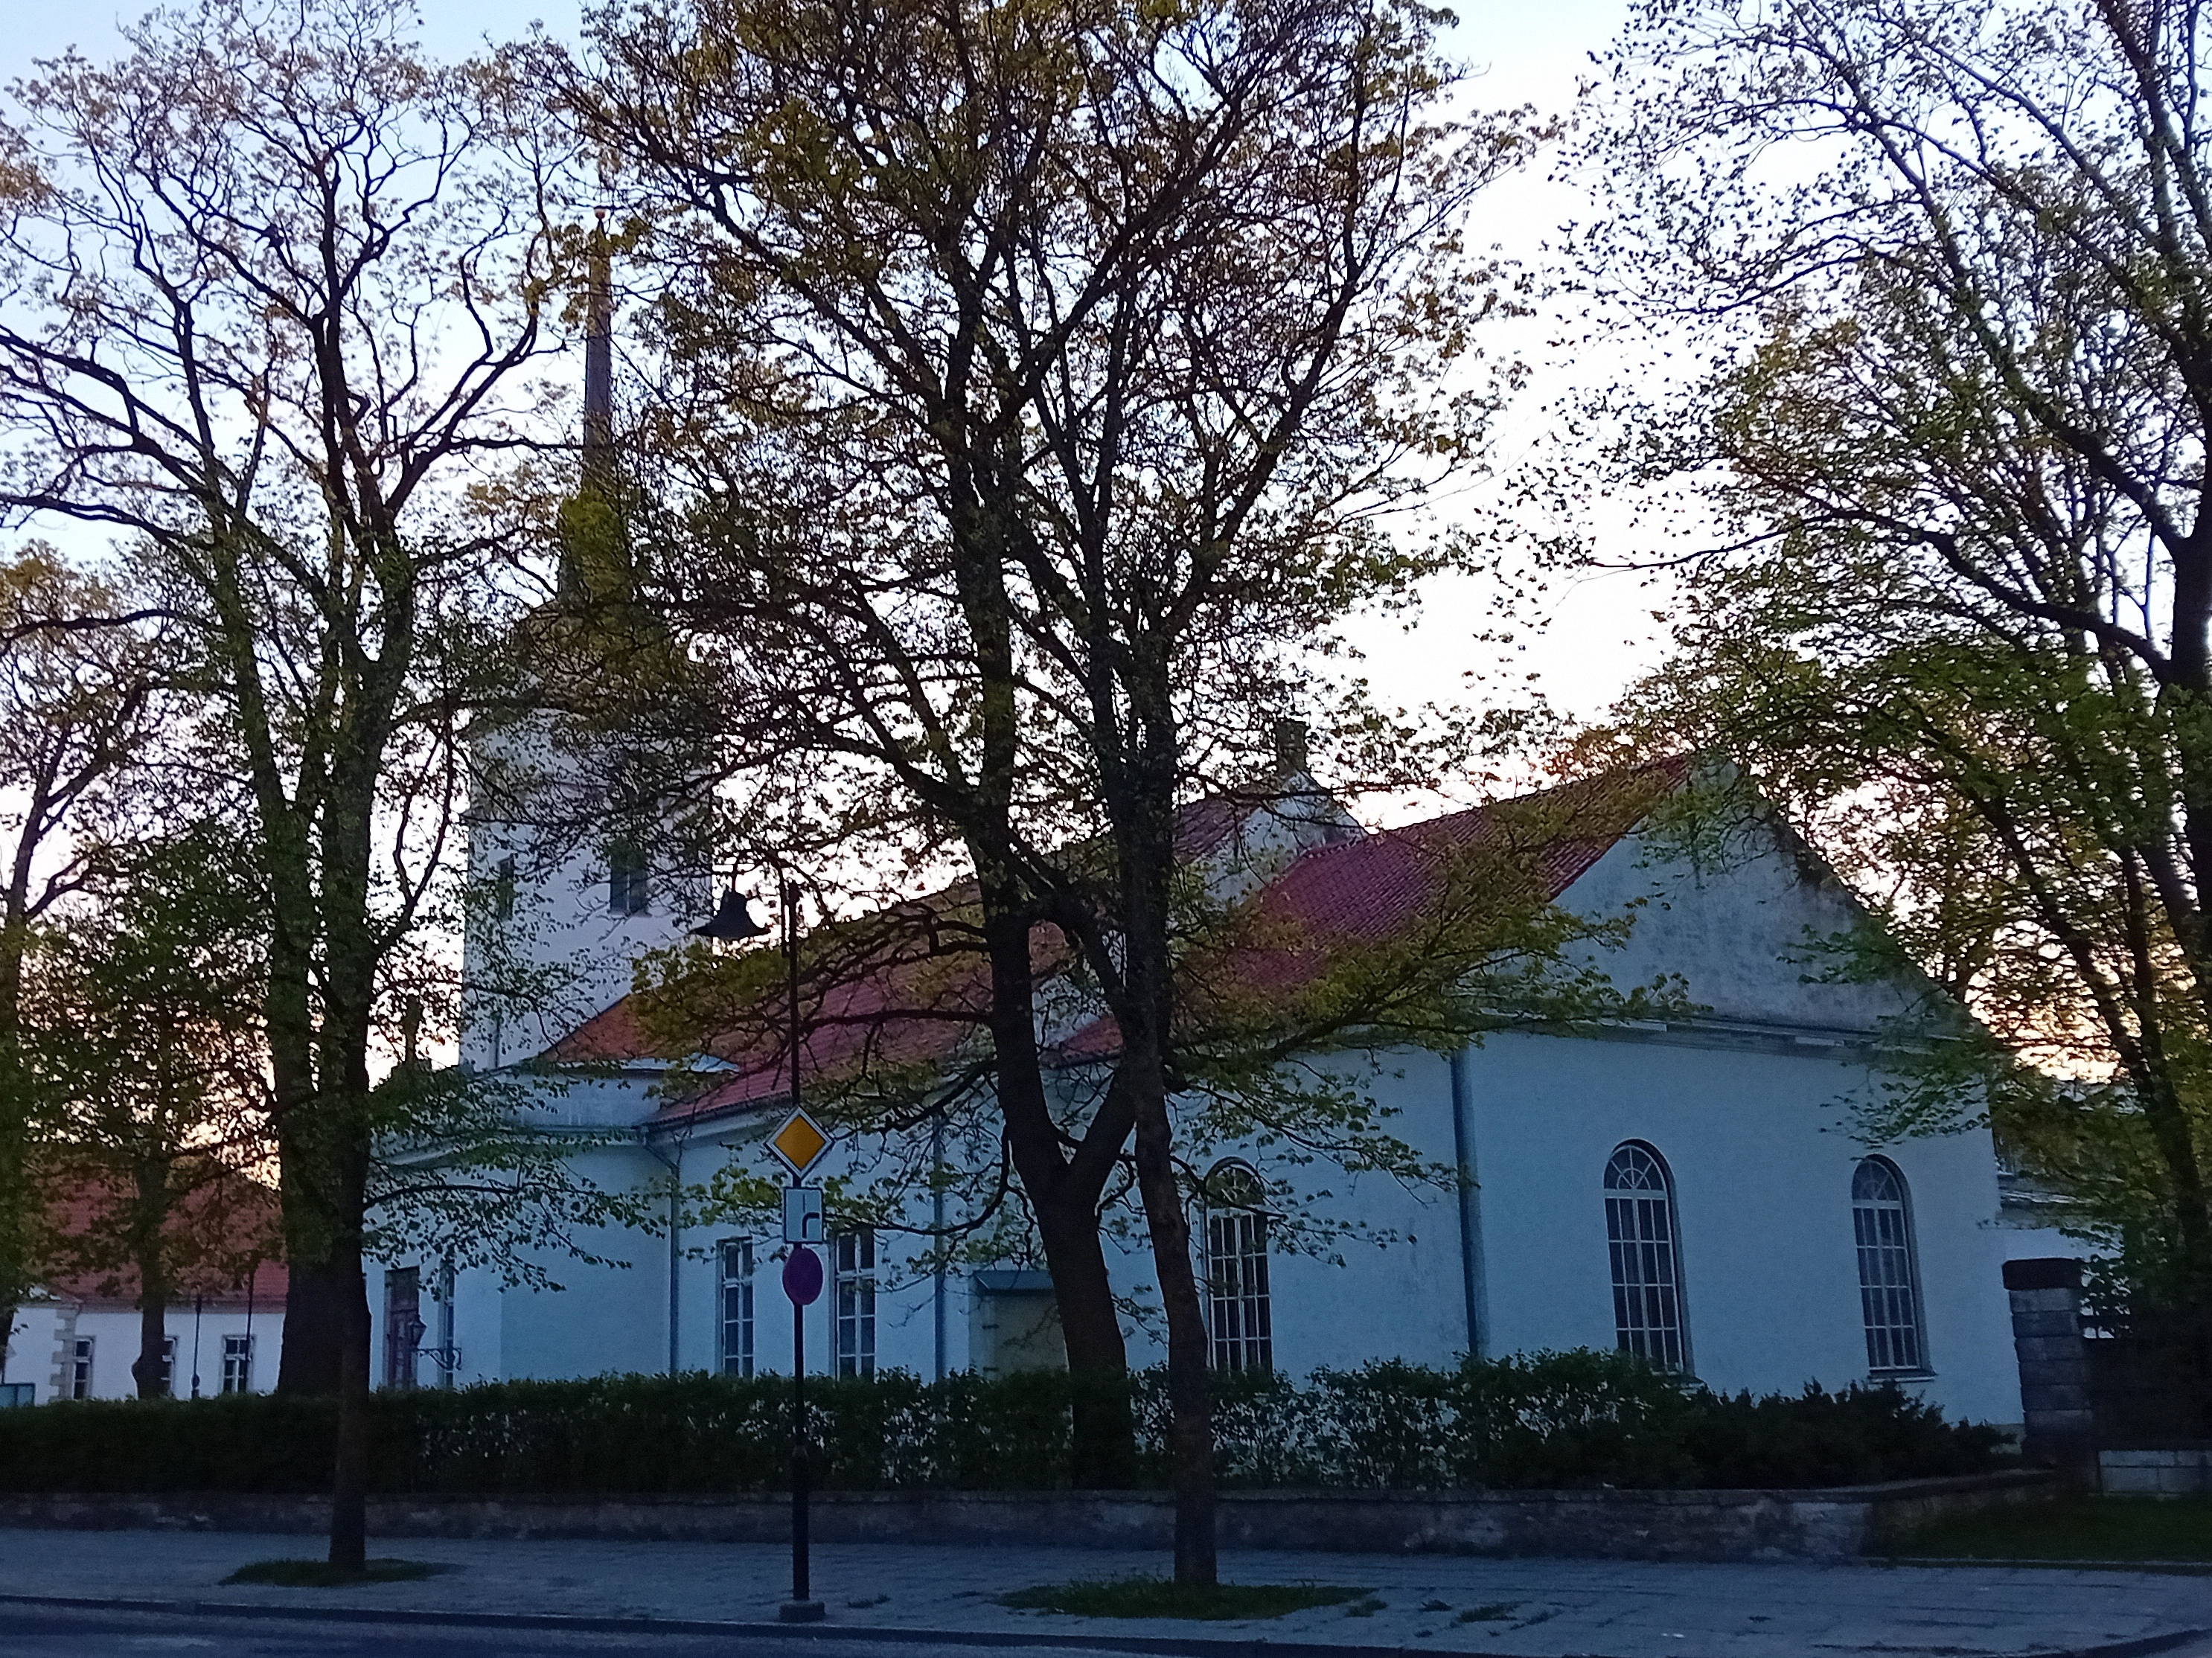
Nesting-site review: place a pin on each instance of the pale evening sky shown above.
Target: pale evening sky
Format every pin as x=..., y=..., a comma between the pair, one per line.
x=1599, y=631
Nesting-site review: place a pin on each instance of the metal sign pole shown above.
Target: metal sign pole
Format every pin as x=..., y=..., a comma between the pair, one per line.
x=802, y=1282
x=801, y=1588
x=800, y=1143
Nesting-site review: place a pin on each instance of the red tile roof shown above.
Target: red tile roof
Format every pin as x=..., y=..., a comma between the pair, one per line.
x=1371, y=889
x=901, y=1011
x=233, y=1226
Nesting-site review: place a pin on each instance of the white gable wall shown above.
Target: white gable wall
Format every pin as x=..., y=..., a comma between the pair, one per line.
x=1740, y=931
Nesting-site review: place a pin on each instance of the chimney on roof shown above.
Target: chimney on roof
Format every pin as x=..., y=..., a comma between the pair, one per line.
x=1293, y=741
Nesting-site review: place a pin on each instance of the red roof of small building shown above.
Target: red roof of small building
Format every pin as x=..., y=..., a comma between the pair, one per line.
x=230, y=1230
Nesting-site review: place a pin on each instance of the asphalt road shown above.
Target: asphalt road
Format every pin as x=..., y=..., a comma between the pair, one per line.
x=60, y=1632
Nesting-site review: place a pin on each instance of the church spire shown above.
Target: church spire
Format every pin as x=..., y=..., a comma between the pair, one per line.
x=599, y=367
x=594, y=544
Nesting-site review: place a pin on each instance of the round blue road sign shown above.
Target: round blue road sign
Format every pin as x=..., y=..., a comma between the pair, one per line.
x=802, y=1275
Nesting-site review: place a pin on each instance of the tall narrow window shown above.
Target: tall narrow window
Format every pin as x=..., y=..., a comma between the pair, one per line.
x=1240, y=1315
x=1889, y=1275
x=629, y=882
x=238, y=1364
x=1646, y=1250
x=854, y=1255
x=81, y=1368
x=403, y=1324
x=736, y=1307
x=503, y=889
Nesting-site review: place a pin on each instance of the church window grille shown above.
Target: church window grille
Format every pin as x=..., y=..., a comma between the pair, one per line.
x=1646, y=1248
x=630, y=886
x=81, y=1368
x=736, y=1307
x=502, y=892
x=403, y=1325
x=1889, y=1274
x=853, y=1256
x=238, y=1364
x=1239, y=1301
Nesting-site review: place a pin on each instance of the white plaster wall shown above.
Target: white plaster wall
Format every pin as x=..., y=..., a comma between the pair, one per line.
x=1762, y=1174
x=561, y=920
x=42, y=1355
x=30, y=1348
x=1738, y=933
x=1756, y=1141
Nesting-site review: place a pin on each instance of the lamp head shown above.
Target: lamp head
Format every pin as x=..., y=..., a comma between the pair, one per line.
x=732, y=922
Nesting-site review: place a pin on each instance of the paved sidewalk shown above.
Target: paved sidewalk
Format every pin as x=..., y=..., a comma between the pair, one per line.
x=1535, y=1608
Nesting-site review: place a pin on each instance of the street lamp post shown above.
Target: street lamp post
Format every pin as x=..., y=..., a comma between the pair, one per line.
x=799, y=1144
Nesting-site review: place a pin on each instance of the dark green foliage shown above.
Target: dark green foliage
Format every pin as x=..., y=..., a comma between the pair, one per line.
x=1548, y=1420
x=1159, y=1597
x=322, y=1574
x=2072, y=1528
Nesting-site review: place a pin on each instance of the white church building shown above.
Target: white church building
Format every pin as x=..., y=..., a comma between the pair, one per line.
x=1688, y=1186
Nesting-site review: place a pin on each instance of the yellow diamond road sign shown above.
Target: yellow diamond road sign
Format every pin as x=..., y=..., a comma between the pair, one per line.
x=801, y=1142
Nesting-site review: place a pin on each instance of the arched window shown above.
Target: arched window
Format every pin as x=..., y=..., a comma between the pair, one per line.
x=1647, y=1256
x=1889, y=1273
x=1237, y=1307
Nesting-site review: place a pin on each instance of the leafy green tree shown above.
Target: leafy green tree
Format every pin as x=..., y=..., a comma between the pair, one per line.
x=279, y=287
x=1036, y=374
x=1948, y=265
x=143, y=1023
x=76, y=698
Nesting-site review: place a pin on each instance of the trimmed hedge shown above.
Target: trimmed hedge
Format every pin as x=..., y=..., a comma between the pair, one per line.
x=1544, y=1420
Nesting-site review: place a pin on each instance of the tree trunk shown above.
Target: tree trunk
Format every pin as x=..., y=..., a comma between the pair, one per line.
x=153, y=1338
x=1066, y=1207
x=312, y=1359
x=1104, y=1447
x=349, y=1475
x=1189, y=1392
x=1144, y=821
x=149, y=1210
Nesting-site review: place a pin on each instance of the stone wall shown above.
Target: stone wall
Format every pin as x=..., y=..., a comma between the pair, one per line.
x=2171, y=1471
x=2054, y=1377
x=1737, y=1525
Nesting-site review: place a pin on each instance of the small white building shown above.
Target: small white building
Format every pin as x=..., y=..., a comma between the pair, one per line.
x=78, y=1338
x=1688, y=1186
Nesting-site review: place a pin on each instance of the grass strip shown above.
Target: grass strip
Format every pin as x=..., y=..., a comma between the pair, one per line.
x=1160, y=1597
x=321, y=1575
x=2168, y=1530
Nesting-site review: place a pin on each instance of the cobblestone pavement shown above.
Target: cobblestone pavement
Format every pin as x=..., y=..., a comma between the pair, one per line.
x=1535, y=1608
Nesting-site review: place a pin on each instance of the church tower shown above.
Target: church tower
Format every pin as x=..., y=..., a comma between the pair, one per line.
x=574, y=873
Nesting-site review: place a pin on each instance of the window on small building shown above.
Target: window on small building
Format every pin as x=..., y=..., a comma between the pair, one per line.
x=1647, y=1255
x=628, y=880
x=854, y=1257
x=1889, y=1273
x=238, y=1364
x=403, y=1324
x=80, y=1368
x=1240, y=1315
x=736, y=1307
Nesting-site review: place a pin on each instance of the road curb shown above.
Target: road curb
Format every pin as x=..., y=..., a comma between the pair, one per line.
x=1163, y=1646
